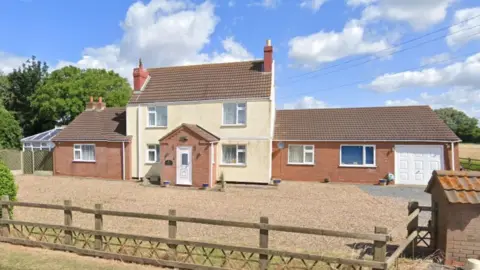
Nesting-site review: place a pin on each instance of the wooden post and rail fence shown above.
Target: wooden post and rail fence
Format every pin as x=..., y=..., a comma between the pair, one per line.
x=178, y=253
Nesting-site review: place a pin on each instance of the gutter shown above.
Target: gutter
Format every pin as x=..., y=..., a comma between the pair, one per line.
x=210, y=173
x=357, y=140
x=453, y=156
x=123, y=160
x=138, y=142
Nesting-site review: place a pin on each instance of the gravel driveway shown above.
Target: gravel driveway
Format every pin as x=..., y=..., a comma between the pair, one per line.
x=329, y=206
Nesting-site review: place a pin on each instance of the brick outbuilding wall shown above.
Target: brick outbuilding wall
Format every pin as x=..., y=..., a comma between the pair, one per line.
x=108, y=160
x=201, y=159
x=327, y=160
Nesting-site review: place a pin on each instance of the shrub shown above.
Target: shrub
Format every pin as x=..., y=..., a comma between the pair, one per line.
x=7, y=184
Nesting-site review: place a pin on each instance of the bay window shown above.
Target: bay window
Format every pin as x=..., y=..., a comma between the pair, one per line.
x=301, y=154
x=157, y=116
x=357, y=155
x=234, y=154
x=234, y=114
x=84, y=152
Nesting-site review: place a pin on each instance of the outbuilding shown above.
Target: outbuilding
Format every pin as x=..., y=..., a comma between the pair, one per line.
x=456, y=214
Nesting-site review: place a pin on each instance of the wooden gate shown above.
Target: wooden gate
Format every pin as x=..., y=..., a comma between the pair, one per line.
x=39, y=160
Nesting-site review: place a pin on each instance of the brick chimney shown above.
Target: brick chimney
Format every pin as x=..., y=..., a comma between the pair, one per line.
x=140, y=75
x=268, y=56
x=100, y=105
x=90, y=105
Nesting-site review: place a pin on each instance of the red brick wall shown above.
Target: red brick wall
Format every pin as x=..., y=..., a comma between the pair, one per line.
x=327, y=160
x=200, y=157
x=108, y=161
x=463, y=235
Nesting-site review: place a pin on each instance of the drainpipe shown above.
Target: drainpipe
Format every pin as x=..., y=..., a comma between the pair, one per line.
x=138, y=142
x=123, y=160
x=453, y=156
x=211, y=164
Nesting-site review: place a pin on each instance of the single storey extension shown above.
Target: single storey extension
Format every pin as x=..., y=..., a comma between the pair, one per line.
x=362, y=145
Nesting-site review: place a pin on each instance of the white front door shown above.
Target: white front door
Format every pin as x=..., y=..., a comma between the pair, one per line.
x=184, y=165
x=414, y=164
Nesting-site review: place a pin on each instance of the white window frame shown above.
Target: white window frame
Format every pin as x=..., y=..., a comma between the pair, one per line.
x=155, y=116
x=244, y=108
x=157, y=158
x=304, y=154
x=237, y=150
x=364, y=146
x=81, y=152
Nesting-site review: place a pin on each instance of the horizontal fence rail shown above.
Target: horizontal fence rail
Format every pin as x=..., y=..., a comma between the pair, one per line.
x=179, y=253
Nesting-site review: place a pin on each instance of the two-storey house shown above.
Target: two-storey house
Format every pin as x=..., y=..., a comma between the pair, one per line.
x=191, y=125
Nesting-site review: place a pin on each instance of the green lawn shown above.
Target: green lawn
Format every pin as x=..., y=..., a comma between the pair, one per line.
x=23, y=258
x=474, y=164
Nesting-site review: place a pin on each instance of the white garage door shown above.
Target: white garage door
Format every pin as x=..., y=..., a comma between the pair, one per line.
x=414, y=163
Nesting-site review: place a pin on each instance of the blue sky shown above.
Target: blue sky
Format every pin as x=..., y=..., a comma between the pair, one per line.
x=347, y=48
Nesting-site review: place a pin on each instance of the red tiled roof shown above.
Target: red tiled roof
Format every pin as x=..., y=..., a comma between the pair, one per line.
x=106, y=125
x=405, y=123
x=459, y=186
x=196, y=129
x=238, y=80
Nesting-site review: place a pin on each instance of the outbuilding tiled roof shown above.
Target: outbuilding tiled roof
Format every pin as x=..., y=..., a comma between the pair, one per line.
x=403, y=123
x=459, y=186
x=106, y=125
x=237, y=80
x=196, y=129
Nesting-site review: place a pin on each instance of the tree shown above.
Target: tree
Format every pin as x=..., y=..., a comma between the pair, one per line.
x=464, y=126
x=23, y=83
x=10, y=131
x=67, y=90
x=7, y=185
x=4, y=84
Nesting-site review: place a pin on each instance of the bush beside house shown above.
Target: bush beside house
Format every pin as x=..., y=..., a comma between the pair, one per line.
x=7, y=184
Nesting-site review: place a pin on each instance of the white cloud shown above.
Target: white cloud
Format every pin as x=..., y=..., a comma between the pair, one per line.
x=306, y=103
x=162, y=33
x=464, y=74
x=231, y=3
x=435, y=59
x=267, y=3
x=462, y=98
x=8, y=62
x=420, y=14
x=312, y=4
x=329, y=46
x=401, y=102
x=464, y=28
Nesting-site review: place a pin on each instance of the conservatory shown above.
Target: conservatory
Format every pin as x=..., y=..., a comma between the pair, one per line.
x=41, y=141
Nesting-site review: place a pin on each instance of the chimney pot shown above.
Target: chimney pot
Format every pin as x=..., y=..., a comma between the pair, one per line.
x=140, y=75
x=91, y=98
x=100, y=100
x=100, y=106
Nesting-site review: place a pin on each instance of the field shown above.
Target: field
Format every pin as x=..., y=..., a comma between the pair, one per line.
x=470, y=150
x=328, y=206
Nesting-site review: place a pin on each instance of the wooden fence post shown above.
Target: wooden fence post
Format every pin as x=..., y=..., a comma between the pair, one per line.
x=67, y=222
x=172, y=230
x=98, y=227
x=263, y=258
x=412, y=226
x=380, y=247
x=5, y=231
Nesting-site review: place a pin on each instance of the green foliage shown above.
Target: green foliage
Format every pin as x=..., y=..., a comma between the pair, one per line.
x=10, y=131
x=67, y=90
x=23, y=82
x=464, y=126
x=4, y=84
x=7, y=184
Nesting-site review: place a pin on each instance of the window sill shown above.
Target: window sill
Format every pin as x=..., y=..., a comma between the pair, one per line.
x=151, y=163
x=161, y=127
x=233, y=165
x=84, y=161
x=234, y=126
x=301, y=164
x=358, y=166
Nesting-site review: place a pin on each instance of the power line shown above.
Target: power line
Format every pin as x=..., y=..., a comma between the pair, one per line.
x=372, y=78
x=383, y=56
x=388, y=49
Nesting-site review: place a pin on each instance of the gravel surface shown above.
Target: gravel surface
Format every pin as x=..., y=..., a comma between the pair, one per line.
x=328, y=206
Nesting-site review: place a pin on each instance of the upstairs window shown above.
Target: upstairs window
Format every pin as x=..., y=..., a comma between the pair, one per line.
x=234, y=113
x=157, y=116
